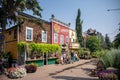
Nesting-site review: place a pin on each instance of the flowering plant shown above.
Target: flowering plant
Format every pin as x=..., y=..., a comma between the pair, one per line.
x=31, y=68
x=107, y=75
x=17, y=72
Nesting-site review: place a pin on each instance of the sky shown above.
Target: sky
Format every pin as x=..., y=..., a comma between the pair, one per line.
x=93, y=13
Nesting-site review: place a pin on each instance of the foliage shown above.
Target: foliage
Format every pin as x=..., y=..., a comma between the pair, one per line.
x=16, y=72
x=80, y=52
x=36, y=49
x=79, y=28
x=84, y=53
x=92, y=43
x=111, y=58
x=101, y=40
x=99, y=54
x=107, y=42
x=21, y=45
x=31, y=68
x=117, y=41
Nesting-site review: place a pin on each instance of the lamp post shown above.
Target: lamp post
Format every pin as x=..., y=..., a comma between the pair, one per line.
x=114, y=9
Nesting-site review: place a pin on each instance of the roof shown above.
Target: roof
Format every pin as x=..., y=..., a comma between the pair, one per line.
x=30, y=16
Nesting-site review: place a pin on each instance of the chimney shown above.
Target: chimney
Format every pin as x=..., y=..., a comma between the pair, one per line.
x=52, y=16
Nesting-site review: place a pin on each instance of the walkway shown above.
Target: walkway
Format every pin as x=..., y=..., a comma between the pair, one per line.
x=79, y=70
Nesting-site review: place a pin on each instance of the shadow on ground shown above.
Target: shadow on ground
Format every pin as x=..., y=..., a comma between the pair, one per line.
x=68, y=68
x=71, y=78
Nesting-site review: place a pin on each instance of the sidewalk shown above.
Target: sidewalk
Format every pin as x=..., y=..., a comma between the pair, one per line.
x=79, y=70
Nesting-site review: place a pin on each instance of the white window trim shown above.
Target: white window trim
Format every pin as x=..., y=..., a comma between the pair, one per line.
x=54, y=38
x=61, y=39
x=31, y=34
x=67, y=38
x=42, y=36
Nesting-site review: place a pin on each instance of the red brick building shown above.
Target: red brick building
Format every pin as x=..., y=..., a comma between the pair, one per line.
x=60, y=32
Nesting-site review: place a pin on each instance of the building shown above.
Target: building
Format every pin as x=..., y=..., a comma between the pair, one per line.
x=72, y=34
x=29, y=32
x=60, y=32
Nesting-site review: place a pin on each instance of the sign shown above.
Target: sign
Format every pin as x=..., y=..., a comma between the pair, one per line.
x=74, y=46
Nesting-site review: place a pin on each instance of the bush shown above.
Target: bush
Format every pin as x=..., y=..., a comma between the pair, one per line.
x=31, y=68
x=99, y=54
x=111, y=58
x=16, y=72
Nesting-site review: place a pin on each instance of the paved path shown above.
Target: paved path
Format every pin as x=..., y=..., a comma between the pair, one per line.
x=79, y=70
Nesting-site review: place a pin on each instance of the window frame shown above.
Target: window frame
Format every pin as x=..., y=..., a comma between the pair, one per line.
x=55, y=34
x=29, y=28
x=43, y=36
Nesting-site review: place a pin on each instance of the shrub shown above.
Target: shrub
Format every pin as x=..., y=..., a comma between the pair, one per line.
x=16, y=72
x=111, y=58
x=31, y=68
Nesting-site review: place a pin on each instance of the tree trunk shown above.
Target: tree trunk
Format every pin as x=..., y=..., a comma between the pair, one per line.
x=3, y=25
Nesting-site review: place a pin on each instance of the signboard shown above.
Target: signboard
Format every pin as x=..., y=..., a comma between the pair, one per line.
x=74, y=46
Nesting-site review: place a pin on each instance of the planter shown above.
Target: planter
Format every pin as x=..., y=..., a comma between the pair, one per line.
x=39, y=62
x=52, y=60
x=15, y=73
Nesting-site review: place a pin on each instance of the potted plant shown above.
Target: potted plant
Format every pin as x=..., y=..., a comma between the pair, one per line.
x=31, y=68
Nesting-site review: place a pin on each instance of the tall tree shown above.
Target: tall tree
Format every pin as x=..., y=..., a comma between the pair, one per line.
x=107, y=42
x=79, y=28
x=9, y=9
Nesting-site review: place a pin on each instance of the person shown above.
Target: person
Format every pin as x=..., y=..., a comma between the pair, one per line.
x=64, y=57
x=72, y=56
x=76, y=56
x=61, y=59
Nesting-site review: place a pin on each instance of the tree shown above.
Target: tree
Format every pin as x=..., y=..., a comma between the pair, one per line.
x=101, y=40
x=107, y=42
x=79, y=28
x=117, y=41
x=92, y=43
x=9, y=10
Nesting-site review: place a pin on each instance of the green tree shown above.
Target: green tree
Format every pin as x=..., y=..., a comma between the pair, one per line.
x=79, y=28
x=101, y=40
x=117, y=41
x=107, y=42
x=92, y=43
x=9, y=10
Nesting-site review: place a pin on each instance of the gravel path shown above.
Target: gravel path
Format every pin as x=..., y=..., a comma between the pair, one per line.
x=79, y=70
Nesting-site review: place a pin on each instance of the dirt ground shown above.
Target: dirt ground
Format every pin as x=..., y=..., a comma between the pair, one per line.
x=79, y=70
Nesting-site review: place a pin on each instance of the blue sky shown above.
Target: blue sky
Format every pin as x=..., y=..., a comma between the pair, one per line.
x=93, y=13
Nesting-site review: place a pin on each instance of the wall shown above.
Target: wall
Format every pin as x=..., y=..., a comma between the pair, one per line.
x=60, y=30
x=37, y=30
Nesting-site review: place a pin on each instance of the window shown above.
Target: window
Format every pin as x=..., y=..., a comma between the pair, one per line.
x=29, y=34
x=67, y=39
x=61, y=39
x=55, y=37
x=44, y=36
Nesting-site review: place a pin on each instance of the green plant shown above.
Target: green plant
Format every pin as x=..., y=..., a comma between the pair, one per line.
x=111, y=58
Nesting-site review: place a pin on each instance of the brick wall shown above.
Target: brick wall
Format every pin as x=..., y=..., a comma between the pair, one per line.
x=37, y=30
